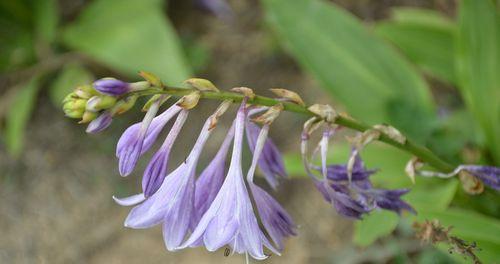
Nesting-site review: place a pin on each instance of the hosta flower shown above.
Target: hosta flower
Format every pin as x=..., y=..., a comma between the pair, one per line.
x=212, y=177
x=138, y=138
x=270, y=162
x=157, y=168
x=173, y=203
x=230, y=219
x=274, y=218
x=489, y=175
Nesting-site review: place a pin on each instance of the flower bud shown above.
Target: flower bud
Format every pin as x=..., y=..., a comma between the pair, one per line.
x=100, y=123
x=75, y=104
x=248, y=92
x=151, y=78
x=161, y=97
x=100, y=102
x=288, y=95
x=111, y=86
x=270, y=115
x=88, y=116
x=324, y=111
x=78, y=113
x=124, y=105
x=85, y=91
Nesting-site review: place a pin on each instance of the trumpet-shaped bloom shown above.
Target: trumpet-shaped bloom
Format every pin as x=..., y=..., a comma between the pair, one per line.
x=173, y=203
x=274, y=218
x=270, y=162
x=230, y=219
x=212, y=177
x=157, y=168
x=138, y=138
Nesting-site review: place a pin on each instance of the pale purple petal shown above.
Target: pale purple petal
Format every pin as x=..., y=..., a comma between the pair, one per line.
x=157, y=168
x=100, y=123
x=130, y=200
x=271, y=162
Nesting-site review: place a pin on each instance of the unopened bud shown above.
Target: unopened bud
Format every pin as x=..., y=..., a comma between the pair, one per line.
x=124, y=105
x=111, y=86
x=74, y=113
x=201, y=84
x=100, y=102
x=75, y=104
x=151, y=78
x=270, y=115
x=324, y=111
x=288, y=95
x=189, y=101
x=85, y=91
x=87, y=117
x=245, y=91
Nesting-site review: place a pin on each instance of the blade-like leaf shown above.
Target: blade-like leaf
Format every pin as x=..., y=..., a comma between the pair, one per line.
x=478, y=59
x=363, y=72
x=19, y=113
x=129, y=35
x=429, y=43
x=374, y=226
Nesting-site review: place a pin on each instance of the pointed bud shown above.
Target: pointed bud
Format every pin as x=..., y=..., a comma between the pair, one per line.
x=391, y=132
x=471, y=185
x=270, y=115
x=288, y=95
x=151, y=78
x=75, y=104
x=87, y=117
x=201, y=84
x=74, y=113
x=324, y=111
x=245, y=91
x=124, y=105
x=162, y=98
x=85, y=91
x=100, y=102
x=111, y=86
x=189, y=101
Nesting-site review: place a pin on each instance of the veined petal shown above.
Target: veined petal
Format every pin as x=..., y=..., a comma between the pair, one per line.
x=157, y=168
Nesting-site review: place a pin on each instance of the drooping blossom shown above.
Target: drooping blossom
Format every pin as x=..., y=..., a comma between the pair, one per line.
x=212, y=177
x=270, y=162
x=112, y=86
x=100, y=123
x=489, y=175
x=230, y=219
x=277, y=222
x=157, y=168
x=138, y=138
x=173, y=203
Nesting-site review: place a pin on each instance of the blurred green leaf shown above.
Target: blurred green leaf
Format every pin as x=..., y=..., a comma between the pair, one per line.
x=478, y=58
x=67, y=80
x=46, y=19
x=374, y=226
x=432, y=194
x=18, y=116
x=472, y=227
x=362, y=71
x=426, y=38
x=129, y=35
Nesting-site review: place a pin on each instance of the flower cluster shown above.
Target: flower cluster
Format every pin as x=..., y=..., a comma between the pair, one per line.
x=211, y=210
x=350, y=191
x=220, y=207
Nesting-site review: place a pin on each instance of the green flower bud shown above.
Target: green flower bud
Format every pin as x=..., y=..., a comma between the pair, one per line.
x=124, y=105
x=74, y=113
x=100, y=102
x=88, y=116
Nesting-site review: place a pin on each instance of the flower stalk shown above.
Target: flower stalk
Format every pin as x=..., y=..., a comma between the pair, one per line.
x=421, y=152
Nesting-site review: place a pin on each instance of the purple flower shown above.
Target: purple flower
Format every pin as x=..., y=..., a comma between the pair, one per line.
x=270, y=162
x=389, y=199
x=173, y=203
x=274, y=218
x=100, y=123
x=111, y=86
x=138, y=138
x=230, y=219
x=157, y=168
x=489, y=175
x=212, y=177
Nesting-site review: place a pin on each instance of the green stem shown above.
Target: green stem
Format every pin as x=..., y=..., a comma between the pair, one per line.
x=421, y=152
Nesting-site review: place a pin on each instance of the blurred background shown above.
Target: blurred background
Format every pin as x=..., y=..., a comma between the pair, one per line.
x=428, y=67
